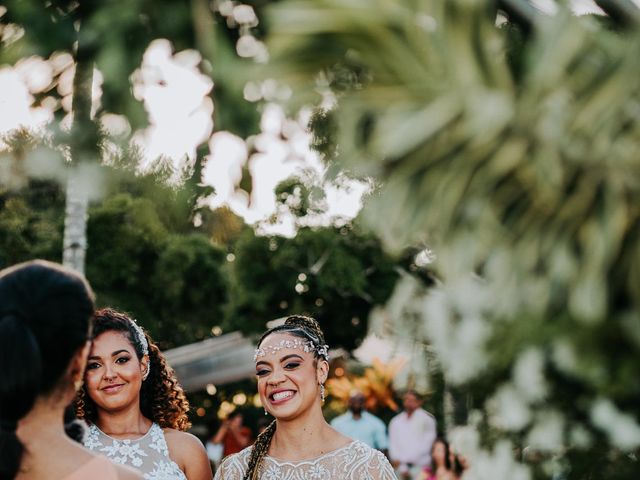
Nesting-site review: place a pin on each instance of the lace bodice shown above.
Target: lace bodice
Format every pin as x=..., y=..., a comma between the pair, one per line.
x=355, y=461
x=149, y=454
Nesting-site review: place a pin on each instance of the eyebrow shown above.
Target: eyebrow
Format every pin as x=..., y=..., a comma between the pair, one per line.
x=286, y=357
x=117, y=352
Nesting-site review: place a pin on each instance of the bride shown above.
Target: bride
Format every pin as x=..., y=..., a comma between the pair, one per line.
x=291, y=366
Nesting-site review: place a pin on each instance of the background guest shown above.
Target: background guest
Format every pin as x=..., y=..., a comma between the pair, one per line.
x=361, y=425
x=411, y=436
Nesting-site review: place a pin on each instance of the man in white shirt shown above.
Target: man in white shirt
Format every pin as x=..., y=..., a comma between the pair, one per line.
x=411, y=435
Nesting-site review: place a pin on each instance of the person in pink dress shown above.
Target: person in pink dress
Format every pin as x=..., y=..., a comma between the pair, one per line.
x=440, y=468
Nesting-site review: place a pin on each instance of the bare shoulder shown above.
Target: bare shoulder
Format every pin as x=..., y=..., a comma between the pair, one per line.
x=182, y=442
x=189, y=453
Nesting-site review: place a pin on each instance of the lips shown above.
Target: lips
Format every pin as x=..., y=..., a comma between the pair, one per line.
x=281, y=396
x=113, y=388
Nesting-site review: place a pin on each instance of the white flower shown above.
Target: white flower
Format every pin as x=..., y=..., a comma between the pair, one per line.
x=508, y=409
x=547, y=432
x=528, y=375
x=622, y=428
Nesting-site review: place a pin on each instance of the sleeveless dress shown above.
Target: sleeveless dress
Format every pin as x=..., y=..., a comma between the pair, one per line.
x=148, y=454
x=99, y=468
x=354, y=461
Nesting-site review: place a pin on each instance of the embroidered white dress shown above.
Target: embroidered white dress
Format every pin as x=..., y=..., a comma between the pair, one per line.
x=149, y=454
x=355, y=461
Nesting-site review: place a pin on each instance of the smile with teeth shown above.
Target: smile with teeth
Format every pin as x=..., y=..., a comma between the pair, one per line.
x=278, y=396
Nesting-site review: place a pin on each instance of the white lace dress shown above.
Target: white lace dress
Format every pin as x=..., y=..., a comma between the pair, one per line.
x=355, y=461
x=149, y=454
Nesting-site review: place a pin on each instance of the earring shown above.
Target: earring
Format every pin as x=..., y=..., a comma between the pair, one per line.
x=265, y=412
x=78, y=384
x=322, y=392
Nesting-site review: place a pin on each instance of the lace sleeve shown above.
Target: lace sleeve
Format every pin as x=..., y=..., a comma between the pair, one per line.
x=380, y=468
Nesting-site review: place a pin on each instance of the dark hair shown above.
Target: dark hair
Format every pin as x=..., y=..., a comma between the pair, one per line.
x=162, y=399
x=298, y=326
x=45, y=314
x=447, y=460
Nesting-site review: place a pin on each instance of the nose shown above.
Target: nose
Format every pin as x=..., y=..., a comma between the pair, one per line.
x=109, y=373
x=276, y=377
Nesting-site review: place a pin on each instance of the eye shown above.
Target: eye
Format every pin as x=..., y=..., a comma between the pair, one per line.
x=93, y=365
x=122, y=360
x=292, y=365
x=262, y=372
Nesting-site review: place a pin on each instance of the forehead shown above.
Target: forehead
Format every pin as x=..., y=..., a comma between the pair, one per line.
x=110, y=341
x=279, y=344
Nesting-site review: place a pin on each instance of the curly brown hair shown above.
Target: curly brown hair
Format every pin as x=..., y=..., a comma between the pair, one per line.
x=162, y=399
x=300, y=326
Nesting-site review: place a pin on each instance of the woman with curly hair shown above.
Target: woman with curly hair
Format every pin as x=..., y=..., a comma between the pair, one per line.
x=136, y=410
x=292, y=364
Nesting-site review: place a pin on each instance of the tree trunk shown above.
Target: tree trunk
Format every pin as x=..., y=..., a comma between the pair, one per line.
x=83, y=146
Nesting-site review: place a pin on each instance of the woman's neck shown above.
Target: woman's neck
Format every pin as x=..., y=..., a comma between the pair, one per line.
x=304, y=438
x=126, y=422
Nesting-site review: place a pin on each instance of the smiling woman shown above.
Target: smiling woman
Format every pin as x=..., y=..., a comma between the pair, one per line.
x=292, y=364
x=136, y=410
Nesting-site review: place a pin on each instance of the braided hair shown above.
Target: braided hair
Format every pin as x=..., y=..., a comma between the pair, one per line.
x=161, y=397
x=299, y=326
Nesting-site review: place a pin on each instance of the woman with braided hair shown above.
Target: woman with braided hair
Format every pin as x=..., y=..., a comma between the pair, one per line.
x=292, y=364
x=45, y=318
x=136, y=410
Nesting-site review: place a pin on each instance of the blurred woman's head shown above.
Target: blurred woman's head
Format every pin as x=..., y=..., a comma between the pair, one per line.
x=45, y=314
x=440, y=454
x=125, y=367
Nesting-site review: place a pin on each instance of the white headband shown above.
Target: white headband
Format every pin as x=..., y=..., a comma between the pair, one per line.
x=305, y=345
x=142, y=339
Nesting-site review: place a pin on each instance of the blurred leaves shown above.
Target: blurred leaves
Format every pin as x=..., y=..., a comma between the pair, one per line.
x=375, y=384
x=335, y=274
x=514, y=156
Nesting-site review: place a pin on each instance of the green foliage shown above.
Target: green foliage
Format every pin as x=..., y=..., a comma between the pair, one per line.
x=123, y=224
x=335, y=274
x=31, y=223
x=190, y=288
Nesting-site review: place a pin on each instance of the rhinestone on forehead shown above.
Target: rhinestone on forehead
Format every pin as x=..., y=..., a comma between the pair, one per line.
x=304, y=345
